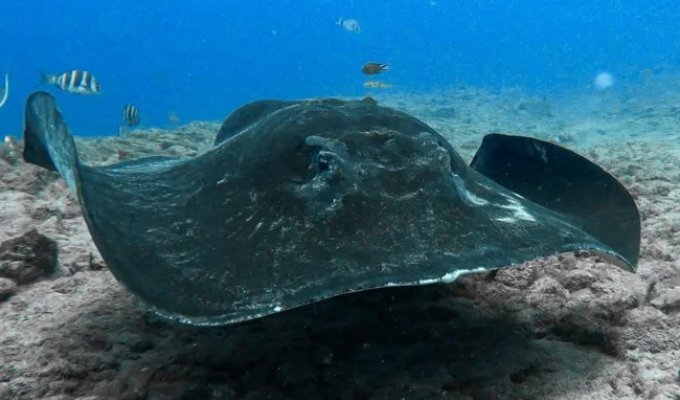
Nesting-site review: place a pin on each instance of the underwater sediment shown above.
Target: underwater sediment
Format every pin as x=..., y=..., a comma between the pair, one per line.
x=568, y=326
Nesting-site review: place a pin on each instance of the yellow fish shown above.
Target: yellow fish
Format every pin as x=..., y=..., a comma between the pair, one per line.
x=374, y=68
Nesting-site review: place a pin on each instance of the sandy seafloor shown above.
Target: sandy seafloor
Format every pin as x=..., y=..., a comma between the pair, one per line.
x=565, y=327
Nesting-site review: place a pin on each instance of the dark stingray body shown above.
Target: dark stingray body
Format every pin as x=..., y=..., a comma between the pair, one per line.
x=302, y=201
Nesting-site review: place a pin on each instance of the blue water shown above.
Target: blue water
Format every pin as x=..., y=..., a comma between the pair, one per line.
x=201, y=59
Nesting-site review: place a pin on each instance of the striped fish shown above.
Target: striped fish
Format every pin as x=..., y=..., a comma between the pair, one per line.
x=80, y=82
x=130, y=115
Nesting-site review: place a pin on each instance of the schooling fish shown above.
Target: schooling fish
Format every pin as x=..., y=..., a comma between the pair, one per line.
x=131, y=115
x=79, y=82
x=374, y=68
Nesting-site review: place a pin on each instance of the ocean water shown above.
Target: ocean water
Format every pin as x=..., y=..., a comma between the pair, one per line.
x=202, y=59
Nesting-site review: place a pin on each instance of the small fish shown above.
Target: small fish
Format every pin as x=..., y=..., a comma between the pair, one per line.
x=350, y=25
x=79, y=82
x=377, y=85
x=12, y=150
x=5, y=93
x=130, y=115
x=173, y=118
x=12, y=144
x=374, y=68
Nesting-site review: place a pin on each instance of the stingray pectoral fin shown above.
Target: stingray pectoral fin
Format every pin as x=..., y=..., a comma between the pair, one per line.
x=47, y=142
x=557, y=178
x=247, y=115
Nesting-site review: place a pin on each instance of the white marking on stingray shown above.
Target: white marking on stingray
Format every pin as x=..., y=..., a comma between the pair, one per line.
x=518, y=211
x=451, y=276
x=468, y=197
x=446, y=278
x=5, y=92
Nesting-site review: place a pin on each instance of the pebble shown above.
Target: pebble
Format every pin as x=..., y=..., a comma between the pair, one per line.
x=668, y=300
x=8, y=288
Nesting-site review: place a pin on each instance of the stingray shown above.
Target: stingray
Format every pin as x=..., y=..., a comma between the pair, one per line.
x=301, y=201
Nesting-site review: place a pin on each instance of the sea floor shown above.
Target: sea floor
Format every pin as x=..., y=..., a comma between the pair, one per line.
x=569, y=326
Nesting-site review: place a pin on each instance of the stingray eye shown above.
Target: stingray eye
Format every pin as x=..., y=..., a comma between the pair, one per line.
x=323, y=160
x=304, y=162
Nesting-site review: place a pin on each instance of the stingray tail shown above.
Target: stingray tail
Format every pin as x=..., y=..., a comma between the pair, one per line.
x=567, y=183
x=47, y=141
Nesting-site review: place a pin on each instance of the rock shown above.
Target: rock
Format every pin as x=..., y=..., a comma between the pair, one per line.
x=28, y=257
x=7, y=288
x=520, y=277
x=586, y=332
x=668, y=300
x=577, y=280
x=548, y=285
